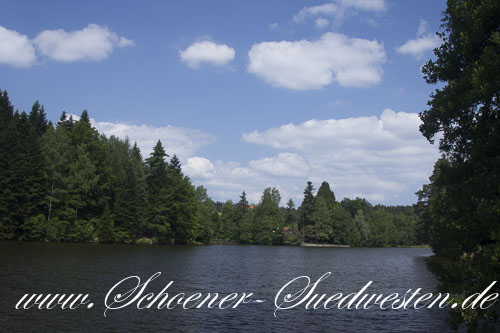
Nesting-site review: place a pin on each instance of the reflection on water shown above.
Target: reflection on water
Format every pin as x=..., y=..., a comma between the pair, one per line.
x=263, y=270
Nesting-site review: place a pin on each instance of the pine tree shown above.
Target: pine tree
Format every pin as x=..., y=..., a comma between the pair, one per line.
x=322, y=228
x=139, y=187
x=325, y=192
x=16, y=187
x=291, y=218
x=242, y=208
x=105, y=227
x=7, y=229
x=207, y=216
x=182, y=211
x=175, y=165
x=124, y=191
x=35, y=161
x=157, y=224
x=81, y=201
x=307, y=207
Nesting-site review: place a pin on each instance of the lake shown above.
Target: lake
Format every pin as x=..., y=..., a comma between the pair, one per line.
x=94, y=268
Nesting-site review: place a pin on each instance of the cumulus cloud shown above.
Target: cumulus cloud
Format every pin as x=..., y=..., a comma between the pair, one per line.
x=184, y=142
x=207, y=52
x=423, y=43
x=337, y=10
x=92, y=43
x=303, y=64
x=199, y=167
x=15, y=49
x=379, y=158
x=279, y=165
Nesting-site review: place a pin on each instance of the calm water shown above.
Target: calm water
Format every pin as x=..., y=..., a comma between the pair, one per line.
x=263, y=270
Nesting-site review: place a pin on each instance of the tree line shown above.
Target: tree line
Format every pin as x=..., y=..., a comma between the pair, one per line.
x=67, y=182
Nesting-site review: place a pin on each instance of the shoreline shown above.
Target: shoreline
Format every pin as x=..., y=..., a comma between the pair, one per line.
x=305, y=245
x=324, y=245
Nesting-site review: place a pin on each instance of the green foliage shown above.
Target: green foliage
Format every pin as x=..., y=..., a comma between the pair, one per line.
x=69, y=183
x=322, y=230
x=345, y=230
x=362, y=227
x=105, y=226
x=307, y=207
x=226, y=227
x=459, y=209
x=35, y=228
x=327, y=194
x=268, y=219
x=207, y=216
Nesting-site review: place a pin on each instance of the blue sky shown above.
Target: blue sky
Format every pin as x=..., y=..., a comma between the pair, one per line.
x=249, y=94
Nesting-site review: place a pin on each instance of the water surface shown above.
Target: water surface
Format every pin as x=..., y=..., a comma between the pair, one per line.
x=263, y=270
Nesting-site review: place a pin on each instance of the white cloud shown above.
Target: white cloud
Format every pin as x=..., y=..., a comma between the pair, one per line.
x=371, y=5
x=302, y=65
x=92, y=43
x=381, y=158
x=124, y=42
x=338, y=9
x=184, y=142
x=422, y=27
x=417, y=47
x=198, y=167
x=328, y=9
x=321, y=23
x=207, y=52
x=15, y=49
x=279, y=165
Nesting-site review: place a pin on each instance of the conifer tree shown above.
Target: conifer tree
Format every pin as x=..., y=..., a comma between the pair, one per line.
x=307, y=207
x=105, y=227
x=7, y=130
x=157, y=224
x=175, y=164
x=321, y=230
x=207, y=216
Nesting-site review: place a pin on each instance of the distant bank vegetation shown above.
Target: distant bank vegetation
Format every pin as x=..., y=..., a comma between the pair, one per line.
x=66, y=182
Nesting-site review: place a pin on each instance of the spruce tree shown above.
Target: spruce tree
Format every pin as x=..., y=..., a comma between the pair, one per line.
x=207, y=216
x=307, y=207
x=105, y=227
x=175, y=165
x=157, y=224
x=6, y=118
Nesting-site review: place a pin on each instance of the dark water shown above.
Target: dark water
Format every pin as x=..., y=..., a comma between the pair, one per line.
x=263, y=270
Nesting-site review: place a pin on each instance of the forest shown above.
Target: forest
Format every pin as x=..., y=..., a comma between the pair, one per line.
x=65, y=182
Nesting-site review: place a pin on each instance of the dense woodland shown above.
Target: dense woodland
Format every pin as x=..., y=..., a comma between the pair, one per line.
x=67, y=182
